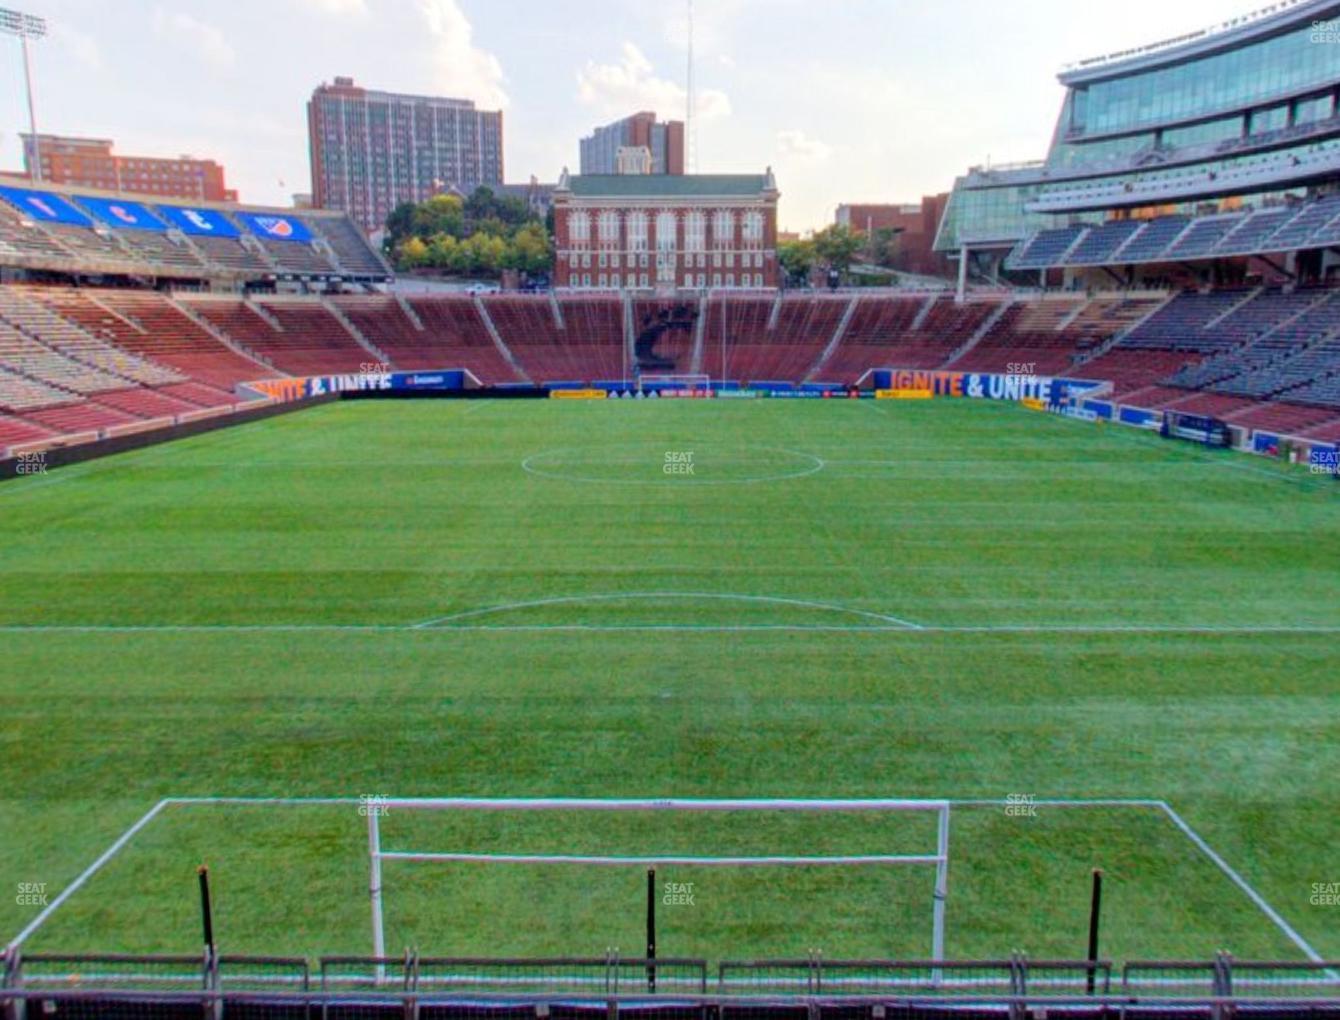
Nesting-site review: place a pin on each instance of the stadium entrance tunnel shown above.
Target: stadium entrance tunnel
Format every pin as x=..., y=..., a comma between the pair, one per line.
x=667, y=610
x=672, y=462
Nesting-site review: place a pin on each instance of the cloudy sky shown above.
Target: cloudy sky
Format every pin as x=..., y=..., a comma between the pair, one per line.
x=848, y=100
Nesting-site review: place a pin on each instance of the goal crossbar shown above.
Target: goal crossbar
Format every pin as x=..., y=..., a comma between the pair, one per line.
x=939, y=859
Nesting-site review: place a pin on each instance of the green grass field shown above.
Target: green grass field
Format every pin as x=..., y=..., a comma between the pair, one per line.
x=844, y=599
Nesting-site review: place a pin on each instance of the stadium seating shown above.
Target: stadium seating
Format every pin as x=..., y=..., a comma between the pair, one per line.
x=1100, y=242
x=31, y=239
x=876, y=336
x=75, y=360
x=455, y=336
x=1152, y=239
x=1045, y=248
x=528, y=327
x=351, y=249
x=170, y=336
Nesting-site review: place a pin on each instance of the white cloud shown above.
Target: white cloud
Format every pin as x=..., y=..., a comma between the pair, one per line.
x=794, y=142
x=337, y=8
x=631, y=85
x=459, y=67
x=194, y=36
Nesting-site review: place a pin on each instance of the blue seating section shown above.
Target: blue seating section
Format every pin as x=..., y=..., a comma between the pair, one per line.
x=1046, y=248
x=1311, y=224
x=1100, y=242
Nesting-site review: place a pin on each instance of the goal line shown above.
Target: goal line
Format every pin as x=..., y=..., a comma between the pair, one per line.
x=375, y=808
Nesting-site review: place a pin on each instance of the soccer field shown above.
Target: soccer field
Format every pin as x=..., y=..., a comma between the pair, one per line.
x=753, y=599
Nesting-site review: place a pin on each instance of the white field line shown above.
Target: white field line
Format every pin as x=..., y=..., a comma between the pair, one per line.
x=902, y=628
x=664, y=804
x=1242, y=884
x=658, y=595
x=85, y=875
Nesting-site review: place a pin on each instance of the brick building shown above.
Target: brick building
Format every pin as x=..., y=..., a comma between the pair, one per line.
x=663, y=231
x=371, y=151
x=90, y=163
x=916, y=224
x=664, y=144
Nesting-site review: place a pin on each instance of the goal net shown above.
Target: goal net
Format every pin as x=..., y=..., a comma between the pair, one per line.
x=648, y=382
x=803, y=834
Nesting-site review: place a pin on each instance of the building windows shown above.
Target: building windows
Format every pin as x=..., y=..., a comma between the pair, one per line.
x=586, y=261
x=586, y=279
x=579, y=228
x=752, y=228
x=723, y=228
x=643, y=279
x=614, y=281
x=716, y=260
x=637, y=231
x=609, y=228
x=695, y=231
x=604, y=280
x=665, y=231
x=716, y=279
x=730, y=279
x=603, y=260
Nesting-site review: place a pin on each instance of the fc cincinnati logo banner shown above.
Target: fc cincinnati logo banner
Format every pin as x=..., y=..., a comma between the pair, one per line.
x=276, y=227
x=123, y=215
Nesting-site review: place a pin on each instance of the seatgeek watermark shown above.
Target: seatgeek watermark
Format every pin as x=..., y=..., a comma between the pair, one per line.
x=31, y=894
x=373, y=805
x=678, y=894
x=1325, y=32
x=1021, y=805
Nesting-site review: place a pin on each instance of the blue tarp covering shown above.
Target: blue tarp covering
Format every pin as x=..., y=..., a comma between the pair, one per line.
x=44, y=206
x=199, y=222
x=122, y=215
x=276, y=228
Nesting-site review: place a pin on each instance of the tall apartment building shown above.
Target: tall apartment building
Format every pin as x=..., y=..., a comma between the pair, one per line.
x=90, y=163
x=665, y=142
x=371, y=151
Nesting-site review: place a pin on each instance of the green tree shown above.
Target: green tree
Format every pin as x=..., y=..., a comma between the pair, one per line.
x=412, y=253
x=837, y=245
x=883, y=247
x=399, y=225
x=530, y=250
x=441, y=214
x=797, y=258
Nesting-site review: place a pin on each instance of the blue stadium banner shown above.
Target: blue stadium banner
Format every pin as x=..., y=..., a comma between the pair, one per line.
x=44, y=206
x=276, y=228
x=122, y=215
x=199, y=222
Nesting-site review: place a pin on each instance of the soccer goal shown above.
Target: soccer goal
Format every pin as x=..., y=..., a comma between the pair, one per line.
x=655, y=383
x=936, y=858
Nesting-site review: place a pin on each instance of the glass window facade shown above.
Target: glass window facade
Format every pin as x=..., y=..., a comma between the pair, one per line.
x=1250, y=74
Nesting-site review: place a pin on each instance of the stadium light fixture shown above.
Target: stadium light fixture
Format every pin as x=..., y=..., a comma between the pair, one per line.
x=27, y=26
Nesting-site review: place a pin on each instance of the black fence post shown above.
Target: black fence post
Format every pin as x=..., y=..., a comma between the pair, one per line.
x=1095, y=907
x=206, y=908
x=651, y=929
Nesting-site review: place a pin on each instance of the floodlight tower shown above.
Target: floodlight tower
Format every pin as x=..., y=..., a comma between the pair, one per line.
x=27, y=26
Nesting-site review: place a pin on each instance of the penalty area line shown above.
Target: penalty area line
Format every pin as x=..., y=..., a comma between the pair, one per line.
x=85, y=875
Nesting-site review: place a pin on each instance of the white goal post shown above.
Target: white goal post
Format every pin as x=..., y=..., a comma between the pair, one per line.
x=654, y=381
x=939, y=858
